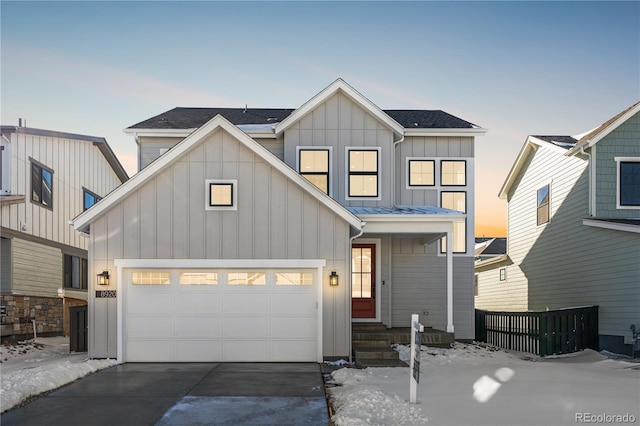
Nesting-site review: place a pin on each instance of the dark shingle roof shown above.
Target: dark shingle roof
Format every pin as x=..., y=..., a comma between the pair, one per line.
x=566, y=142
x=498, y=246
x=191, y=118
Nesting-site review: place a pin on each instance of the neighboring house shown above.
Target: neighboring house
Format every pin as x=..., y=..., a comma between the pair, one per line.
x=261, y=234
x=574, y=229
x=47, y=178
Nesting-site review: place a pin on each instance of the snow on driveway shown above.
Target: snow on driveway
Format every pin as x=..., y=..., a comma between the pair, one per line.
x=481, y=385
x=39, y=365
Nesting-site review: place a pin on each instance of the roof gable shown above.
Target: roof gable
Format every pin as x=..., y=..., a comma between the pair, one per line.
x=83, y=221
x=339, y=86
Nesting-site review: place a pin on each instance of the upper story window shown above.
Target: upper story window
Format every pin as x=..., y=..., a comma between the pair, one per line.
x=5, y=169
x=628, y=182
x=453, y=173
x=41, y=184
x=313, y=165
x=421, y=172
x=455, y=201
x=363, y=172
x=542, y=214
x=221, y=194
x=89, y=198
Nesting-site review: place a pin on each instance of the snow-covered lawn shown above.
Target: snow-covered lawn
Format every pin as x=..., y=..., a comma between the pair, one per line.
x=39, y=365
x=480, y=385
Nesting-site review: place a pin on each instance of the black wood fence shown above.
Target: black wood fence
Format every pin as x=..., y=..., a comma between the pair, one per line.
x=542, y=333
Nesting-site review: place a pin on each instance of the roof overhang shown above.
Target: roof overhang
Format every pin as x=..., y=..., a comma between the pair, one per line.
x=340, y=86
x=476, y=131
x=438, y=224
x=616, y=226
x=82, y=222
x=174, y=133
x=493, y=262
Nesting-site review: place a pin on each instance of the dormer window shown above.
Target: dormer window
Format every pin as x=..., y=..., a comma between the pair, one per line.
x=363, y=172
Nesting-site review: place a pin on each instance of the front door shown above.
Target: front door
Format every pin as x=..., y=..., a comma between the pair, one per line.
x=363, y=281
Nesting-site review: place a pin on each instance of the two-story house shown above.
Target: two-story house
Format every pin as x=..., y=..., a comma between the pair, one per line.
x=574, y=229
x=47, y=178
x=261, y=234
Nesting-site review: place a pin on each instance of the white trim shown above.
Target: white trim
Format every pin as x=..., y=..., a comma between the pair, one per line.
x=83, y=221
x=619, y=160
x=207, y=194
x=478, y=131
x=611, y=225
x=346, y=172
x=326, y=93
x=378, y=243
x=174, y=133
x=330, y=165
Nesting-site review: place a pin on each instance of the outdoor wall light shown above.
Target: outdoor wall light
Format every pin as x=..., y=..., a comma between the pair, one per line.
x=103, y=278
x=333, y=279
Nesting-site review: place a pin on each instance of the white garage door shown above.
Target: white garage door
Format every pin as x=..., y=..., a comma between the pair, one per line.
x=207, y=315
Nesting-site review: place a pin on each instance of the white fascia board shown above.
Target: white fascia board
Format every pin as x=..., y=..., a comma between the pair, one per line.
x=262, y=134
x=219, y=263
x=160, y=132
x=403, y=227
x=611, y=225
x=604, y=132
x=413, y=217
x=82, y=221
x=478, y=131
x=326, y=93
x=492, y=261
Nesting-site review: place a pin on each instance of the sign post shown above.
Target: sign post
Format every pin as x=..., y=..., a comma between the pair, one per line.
x=414, y=367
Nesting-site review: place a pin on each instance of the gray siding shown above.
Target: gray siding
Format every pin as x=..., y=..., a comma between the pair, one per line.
x=339, y=122
x=37, y=269
x=622, y=142
x=276, y=219
x=151, y=148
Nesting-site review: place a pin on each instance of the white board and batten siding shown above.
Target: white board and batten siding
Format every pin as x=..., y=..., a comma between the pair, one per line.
x=165, y=218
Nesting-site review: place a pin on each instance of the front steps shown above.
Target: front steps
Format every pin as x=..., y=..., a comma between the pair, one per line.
x=372, y=343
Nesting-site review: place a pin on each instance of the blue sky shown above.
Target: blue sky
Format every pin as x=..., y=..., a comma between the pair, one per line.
x=515, y=68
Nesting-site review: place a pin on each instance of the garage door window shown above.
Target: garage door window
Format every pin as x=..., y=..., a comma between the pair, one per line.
x=294, y=278
x=247, y=278
x=150, y=278
x=198, y=278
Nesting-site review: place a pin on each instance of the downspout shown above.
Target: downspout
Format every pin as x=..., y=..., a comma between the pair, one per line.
x=358, y=235
x=591, y=184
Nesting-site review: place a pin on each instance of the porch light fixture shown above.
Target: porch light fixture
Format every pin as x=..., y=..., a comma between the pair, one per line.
x=103, y=278
x=333, y=279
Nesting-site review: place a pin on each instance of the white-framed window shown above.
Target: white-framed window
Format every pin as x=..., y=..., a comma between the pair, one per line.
x=542, y=204
x=421, y=172
x=221, y=194
x=363, y=173
x=453, y=172
x=455, y=200
x=627, y=182
x=503, y=274
x=314, y=164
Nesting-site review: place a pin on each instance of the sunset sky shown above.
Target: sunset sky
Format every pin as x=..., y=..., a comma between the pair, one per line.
x=514, y=68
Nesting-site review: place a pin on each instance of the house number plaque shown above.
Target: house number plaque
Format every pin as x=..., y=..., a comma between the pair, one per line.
x=106, y=294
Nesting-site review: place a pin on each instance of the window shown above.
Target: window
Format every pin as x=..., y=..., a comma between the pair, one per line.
x=75, y=270
x=628, y=180
x=41, y=185
x=247, y=278
x=543, y=205
x=313, y=165
x=198, y=278
x=475, y=285
x=503, y=274
x=89, y=198
x=453, y=173
x=221, y=194
x=294, y=278
x=362, y=168
x=421, y=172
x=150, y=278
x=455, y=201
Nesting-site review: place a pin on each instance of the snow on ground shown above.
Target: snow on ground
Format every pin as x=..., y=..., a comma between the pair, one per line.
x=39, y=365
x=473, y=384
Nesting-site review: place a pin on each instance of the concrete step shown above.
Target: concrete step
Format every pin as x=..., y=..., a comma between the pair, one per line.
x=375, y=353
x=372, y=343
x=366, y=363
x=368, y=326
x=387, y=337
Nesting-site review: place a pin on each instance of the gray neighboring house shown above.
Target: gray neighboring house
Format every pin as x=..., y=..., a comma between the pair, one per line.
x=262, y=234
x=573, y=229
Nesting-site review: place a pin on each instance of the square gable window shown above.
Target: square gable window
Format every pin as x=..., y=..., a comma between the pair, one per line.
x=221, y=194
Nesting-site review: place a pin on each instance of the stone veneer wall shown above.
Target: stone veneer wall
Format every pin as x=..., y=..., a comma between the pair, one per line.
x=21, y=310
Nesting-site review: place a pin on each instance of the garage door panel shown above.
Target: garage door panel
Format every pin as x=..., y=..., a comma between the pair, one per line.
x=199, y=327
x=294, y=304
x=149, y=302
x=199, y=350
x=246, y=304
x=246, y=327
x=199, y=303
x=151, y=327
x=246, y=350
x=292, y=327
x=293, y=351
x=151, y=351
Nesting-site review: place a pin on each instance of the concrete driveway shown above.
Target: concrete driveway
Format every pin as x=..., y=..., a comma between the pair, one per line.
x=185, y=394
